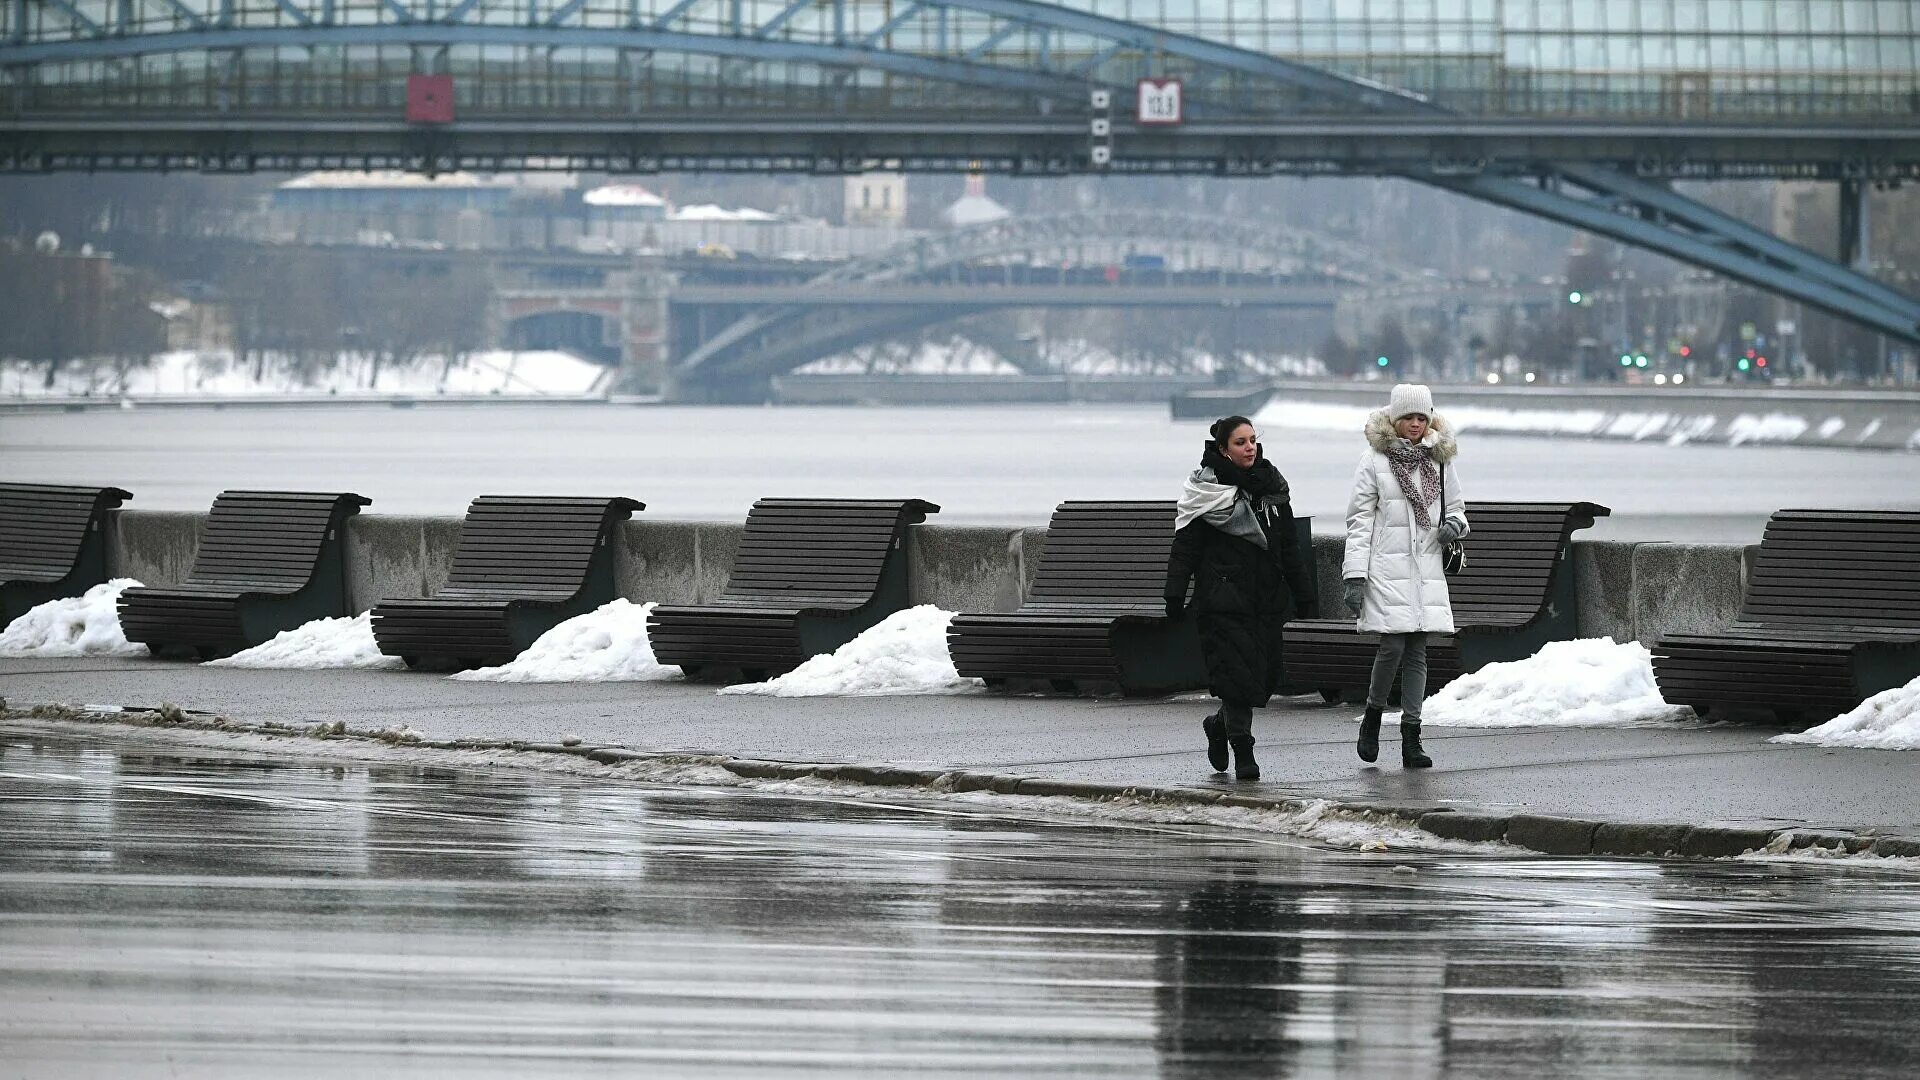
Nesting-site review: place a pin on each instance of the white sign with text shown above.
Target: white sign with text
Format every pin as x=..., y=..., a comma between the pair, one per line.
x=1159, y=102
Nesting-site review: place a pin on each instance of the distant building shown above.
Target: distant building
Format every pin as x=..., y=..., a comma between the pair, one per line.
x=974, y=207
x=876, y=198
x=389, y=207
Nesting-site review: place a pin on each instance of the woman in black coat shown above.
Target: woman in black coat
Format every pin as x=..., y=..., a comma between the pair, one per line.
x=1234, y=540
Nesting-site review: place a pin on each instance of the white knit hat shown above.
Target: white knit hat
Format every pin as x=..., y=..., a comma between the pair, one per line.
x=1409, y=398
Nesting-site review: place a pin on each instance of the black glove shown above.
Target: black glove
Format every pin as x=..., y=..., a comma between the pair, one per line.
x=1450, y=531
x=1356, y=595
x=1176, y=605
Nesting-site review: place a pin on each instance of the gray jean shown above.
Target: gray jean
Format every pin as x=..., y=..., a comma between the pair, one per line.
x=1237, y=716
x=1404, y=655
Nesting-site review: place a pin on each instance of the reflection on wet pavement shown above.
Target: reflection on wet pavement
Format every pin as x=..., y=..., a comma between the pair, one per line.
x=184, y=912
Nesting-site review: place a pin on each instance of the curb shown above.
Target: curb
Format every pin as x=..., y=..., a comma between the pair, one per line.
x=1545, y=834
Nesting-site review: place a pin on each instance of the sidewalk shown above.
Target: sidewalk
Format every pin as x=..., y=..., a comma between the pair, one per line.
x=1650, y=778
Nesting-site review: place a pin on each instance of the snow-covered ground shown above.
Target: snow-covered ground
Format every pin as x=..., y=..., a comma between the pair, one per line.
x=1889, y=720
x=1591, y=682
x=86, y=625
x=608, y=644
x=216, y=374
x=1674, y=427
x=957, y=355
x=906, y=653
x=323, y=643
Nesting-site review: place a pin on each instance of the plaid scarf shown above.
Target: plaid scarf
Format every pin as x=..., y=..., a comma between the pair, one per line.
x=1404, y=457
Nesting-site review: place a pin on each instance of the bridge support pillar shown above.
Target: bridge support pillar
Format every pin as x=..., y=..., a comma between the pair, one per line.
x=643, y=329
x=1854, y=224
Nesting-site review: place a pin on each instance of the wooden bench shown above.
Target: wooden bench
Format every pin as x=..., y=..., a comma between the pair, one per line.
x=52, y=545
x=523, y=565
x=1515, y=594
x=1095, y=618
x=268, y=561
x=809, y=576
x=1831, y=616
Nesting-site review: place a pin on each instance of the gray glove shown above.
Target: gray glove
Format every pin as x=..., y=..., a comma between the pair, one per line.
x=1356, y=595
x=1450, y=530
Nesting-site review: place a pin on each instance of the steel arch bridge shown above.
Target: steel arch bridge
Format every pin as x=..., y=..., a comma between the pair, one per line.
x=1299, y=268
x=851, y=85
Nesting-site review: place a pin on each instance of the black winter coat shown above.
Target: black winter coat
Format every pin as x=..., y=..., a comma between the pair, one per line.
x=1243, y=596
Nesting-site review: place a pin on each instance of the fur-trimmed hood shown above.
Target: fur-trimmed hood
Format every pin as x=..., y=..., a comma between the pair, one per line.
x=1380, y=435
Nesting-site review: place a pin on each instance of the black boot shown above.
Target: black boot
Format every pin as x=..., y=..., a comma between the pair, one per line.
x=1411, y=755
x=1216, y=730
x=1369, y=744
x=1244, y=767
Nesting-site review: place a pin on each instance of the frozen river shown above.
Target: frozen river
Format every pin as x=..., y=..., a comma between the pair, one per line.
x=167, y=911
x=984, y=465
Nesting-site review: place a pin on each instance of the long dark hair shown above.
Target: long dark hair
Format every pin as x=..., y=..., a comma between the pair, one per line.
x=1223, y=429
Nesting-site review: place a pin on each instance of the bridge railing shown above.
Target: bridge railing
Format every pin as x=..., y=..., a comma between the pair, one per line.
x=261, y=83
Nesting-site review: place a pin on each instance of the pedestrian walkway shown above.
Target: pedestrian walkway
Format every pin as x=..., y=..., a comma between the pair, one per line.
x=1679, y=776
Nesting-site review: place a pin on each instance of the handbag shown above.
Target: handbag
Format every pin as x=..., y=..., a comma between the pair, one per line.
x=1453, y=554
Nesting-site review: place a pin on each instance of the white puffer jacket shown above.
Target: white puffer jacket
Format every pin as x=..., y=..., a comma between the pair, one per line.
x=1406, y=586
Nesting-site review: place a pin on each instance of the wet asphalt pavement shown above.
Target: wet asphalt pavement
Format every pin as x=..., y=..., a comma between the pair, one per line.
x=167, y=911
x=1722, y=774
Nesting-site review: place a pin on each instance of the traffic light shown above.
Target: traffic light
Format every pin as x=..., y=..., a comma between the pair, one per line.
x=1382, y=361
x=1575, y=296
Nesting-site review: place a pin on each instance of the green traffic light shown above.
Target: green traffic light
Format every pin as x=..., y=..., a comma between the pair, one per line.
x=1744, y=364
x=1626, y=361
x=1574, y=297
x=1382, y=361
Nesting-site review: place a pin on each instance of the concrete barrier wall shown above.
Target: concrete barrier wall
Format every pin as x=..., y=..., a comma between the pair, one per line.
x=1627, y=591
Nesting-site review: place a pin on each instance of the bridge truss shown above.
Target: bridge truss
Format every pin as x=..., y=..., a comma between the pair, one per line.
x=834, y=86
x=1302, y=269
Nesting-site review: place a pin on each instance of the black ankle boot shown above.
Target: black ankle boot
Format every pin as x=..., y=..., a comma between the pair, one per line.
x=1216, y=730
x=1369, y=744
x=1244, y=767
x=1411, y=755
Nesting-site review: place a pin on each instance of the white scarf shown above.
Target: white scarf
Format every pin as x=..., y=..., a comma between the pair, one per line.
x=1221, y=506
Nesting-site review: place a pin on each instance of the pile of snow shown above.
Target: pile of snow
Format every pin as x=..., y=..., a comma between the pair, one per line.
x=1591, y=682
x=1889, y=720
x=711, y=212
x=1674, y=428
x=216, y=373
x=322, y=643
x=608, y=644
x=86, y=625
x=1773, y=427
x=905, y=654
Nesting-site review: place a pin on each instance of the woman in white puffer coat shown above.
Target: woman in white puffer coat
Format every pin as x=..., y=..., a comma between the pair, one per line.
x=1395, y=584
